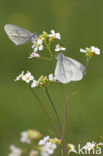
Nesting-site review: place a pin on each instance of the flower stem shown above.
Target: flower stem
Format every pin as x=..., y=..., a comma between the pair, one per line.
x=58, y=119
x=66, y=97
x=51, y=54
x=44, y=109
x=45, y=58
x=57, y=116
x=64, y=122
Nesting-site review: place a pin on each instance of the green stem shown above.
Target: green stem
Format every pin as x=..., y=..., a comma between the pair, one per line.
x=51, y=54
x=64, y=122
x=44, y=109
x=66, y=102
x=51, y=101
x=45, y=58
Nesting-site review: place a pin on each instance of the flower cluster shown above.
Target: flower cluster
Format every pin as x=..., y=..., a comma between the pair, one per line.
x=45, y=147
x=25, y=77
x=49, y=145
x=89, y=52
x=42, y=41
x=42, y=81
x=29, y=136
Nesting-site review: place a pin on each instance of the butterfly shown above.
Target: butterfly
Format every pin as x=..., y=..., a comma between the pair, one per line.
x=68, y=69
x=19, y=35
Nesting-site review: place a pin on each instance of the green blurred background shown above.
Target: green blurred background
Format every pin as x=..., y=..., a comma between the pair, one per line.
x=81, y=24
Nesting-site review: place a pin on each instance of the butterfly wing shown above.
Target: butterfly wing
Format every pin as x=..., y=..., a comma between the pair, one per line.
x=78, y=64
x=73, y=73
x=68, y=70
x=60, y=72
x=17, y=35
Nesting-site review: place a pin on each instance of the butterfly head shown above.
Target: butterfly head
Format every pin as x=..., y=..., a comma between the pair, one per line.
x=60, y=56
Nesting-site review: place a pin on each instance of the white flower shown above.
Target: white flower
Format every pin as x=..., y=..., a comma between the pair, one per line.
x=44, y=140
x=89, y=146
x=29, y=135
x=95, y=50
x=82, y=50
x=34, y=84
x=27, y=77
x=33, y=54
x=59, y=48
x=71, y=148
x=24, y=137
x=38, y=45
x=92, y=49
x=49, y=148
x=20, y=76
x=54, y=35
x=15, y=151
x=33, y=153
x=51, y=78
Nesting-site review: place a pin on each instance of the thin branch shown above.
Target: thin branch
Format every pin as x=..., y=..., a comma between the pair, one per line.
x=66, y=101
x=51, y=54
x=73, y=87
x=64, y=122
x=57, y=116
x=45, y=58
x=44, y=109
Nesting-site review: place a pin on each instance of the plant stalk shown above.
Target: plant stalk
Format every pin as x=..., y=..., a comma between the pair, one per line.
x=55, y=111
x=44, y=109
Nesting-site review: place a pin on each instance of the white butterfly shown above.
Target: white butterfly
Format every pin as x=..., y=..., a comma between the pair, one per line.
x=68, y=69
x=18, y=35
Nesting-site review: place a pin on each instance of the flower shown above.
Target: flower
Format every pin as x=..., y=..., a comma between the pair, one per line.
x=27, y=77
x=20, y=76
x=49, y=148
x=44, y=140
x=89, y=146
x=51, y=78
x=59, y=48
x=55, y=141
x=30, y=135
x=71, y=148
x=24, y=137
x=91, y=51
x=38, y=45
x=33, y=54
x=15, y=151
x=42, y=81
x=54, y=35
x=95, y=50
x=34, y=84
x=48, y=145
x=33, y=153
